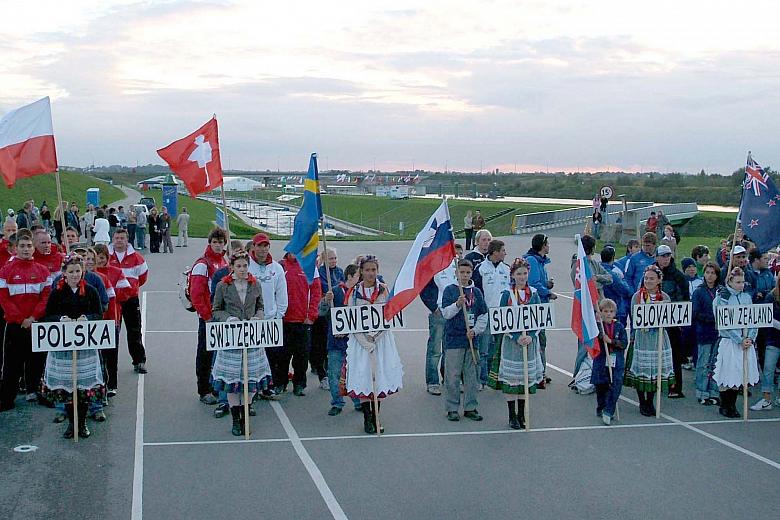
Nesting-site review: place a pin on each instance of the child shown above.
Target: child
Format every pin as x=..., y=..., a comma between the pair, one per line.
x=688, y=334
x=459, y=344
x=706, y=335
x=615, y=340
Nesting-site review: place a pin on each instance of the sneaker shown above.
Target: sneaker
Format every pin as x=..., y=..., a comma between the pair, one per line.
x=674, y=394
x=111, y=392
x=208, y=399
x=687, y=366
x=140, y=368
x=481, y=387
x=298, y=390
x=541, y=385
x=777, y=401
x=99, y=416
x=473, y=415
x=434, y=389
x=59, y=417
x=31, y=397
x=453, y=416
x=252, y=412
x=704, y=402
x=325, y=384
x=221, y=410
x=606, y=419
x=334, y=410
x=761, y=405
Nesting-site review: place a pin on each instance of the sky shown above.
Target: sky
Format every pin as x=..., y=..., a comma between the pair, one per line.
x=459, y=85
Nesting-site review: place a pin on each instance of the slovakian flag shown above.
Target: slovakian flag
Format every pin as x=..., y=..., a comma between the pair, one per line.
x=27, y=142
x=305, y=240
x=583, y=311
x=195, y=159
x=432, y=251
x=759, y=209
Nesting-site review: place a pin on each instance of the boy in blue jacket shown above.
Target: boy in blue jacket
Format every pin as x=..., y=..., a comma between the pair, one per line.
x=458, y=359
x=615, y=338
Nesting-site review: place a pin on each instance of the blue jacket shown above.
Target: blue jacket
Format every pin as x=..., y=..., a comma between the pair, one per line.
x=618, y=291
x=537, y=274
x=600, y=373
x=455, y=326
x=430, y=296
x=621, y=262
x=334, y=343
x=336, y=277
x=763, y=282
x=636, y=269
x=703, y=315
x=219, y=274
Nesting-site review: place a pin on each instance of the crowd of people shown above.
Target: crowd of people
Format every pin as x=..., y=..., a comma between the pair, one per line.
x=79, y=281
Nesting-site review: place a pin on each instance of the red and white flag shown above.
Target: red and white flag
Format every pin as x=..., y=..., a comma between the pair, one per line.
x=195, y=159
x=27, y=142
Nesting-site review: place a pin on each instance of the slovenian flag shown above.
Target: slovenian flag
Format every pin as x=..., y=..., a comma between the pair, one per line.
x=27, y=142
x=583, y=312
x=432, y=251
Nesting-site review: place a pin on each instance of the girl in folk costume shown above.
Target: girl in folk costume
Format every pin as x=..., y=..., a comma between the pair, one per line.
x=732, y=343
x=642, y=359
x=508, y=370
x=372, y=353
x=73, y=299
x=608, y=386
x=239, y=297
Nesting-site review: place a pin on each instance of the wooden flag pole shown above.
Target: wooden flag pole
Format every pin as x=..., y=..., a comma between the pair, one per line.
x=75, y=375
x=658, y=377
x=466, y=319
x=526, y=411
x=246, y=393
x=62, y=210
x=745, y=408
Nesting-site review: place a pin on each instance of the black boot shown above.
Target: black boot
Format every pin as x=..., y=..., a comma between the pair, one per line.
x=521, y=412
x=69, y=430
x=83, y=430
x=724, y=403
x=513, y=422
x=733, y=413
x=368, y=421
x=238, y=424
x=651, y=404
x=642, y=402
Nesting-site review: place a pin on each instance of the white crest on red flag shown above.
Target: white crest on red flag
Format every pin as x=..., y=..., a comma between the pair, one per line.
x=195, y=159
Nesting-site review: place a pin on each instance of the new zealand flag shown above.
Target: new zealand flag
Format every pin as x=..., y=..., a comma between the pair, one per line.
x=759, y=211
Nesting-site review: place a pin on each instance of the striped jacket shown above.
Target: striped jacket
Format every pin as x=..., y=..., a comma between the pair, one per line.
x=120, y=288
x=24, y=289
x=133, y=266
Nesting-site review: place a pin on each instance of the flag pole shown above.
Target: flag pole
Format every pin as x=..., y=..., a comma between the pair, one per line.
x=325, y=251
x=466, y=319
x=62, y=210
x=728, y=273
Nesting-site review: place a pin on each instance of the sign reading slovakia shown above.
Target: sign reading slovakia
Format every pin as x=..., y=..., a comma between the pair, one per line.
x=519, y=318
x=67, y=336
x=363, y=318
x=234, y=335
x=654, y=315
x=743, y=316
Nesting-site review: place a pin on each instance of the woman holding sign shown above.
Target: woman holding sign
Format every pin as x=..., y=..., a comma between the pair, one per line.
x=642, y=358
x=374, y=368
x=508, y=370
x=73, y=299
x=239, y=297
x=728, y=367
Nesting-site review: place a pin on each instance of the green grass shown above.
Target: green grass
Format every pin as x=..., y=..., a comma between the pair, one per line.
x=43, y=188
x=385, y=214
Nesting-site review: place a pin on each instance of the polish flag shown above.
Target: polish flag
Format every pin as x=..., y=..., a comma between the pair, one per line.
x=27, y=142
x=195, y=159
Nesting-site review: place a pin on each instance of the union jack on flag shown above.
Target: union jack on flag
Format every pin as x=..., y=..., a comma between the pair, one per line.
x=755, y=176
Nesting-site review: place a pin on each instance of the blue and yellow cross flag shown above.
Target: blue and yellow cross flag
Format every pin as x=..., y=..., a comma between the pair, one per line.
x=305, y=240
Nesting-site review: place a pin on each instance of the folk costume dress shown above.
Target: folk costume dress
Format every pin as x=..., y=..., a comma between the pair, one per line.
x=642, y=358
x=58, y=377
x=508, y=370
x=389, y=370
x=242, y=300
x=728, y=366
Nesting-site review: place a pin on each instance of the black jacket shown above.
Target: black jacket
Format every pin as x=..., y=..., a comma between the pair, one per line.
x=64, y=302
x=674, y=284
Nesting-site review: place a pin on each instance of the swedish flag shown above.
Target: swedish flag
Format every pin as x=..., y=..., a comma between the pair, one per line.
x=305, y=240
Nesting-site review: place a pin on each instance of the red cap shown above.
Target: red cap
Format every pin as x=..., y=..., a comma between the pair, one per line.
x=261, y=238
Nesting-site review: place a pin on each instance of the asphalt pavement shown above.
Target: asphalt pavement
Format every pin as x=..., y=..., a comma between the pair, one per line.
x=166, y=457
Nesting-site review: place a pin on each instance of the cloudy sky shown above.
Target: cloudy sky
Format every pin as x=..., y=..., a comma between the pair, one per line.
x=579, y=85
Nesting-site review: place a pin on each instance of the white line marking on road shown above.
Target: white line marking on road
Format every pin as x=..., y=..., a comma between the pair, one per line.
x=161, y=292
x=172, y=331
x=565, y=296
x=308, y=462
x=197, y=443
x=138, y=464
x=689, y=426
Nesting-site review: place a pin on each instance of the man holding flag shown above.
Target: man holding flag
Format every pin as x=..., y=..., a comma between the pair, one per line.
x=303, y=288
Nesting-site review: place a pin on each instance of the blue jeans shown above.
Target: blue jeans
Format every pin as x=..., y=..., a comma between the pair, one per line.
x=771, y=356
x=582, y=353
x=140, y=237
x=487, y=347
x=335, y=360
x=435, y=340
x=706, y=387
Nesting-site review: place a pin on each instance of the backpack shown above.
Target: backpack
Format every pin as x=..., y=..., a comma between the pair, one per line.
x=184, y=289
x=582, y=384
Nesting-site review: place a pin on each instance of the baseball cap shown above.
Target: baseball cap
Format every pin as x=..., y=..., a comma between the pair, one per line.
x=261, y=238
x=738, y=250
x=663, y=250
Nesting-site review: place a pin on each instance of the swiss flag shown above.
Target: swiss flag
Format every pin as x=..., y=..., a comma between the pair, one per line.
x=195, y=159
x=27, y=142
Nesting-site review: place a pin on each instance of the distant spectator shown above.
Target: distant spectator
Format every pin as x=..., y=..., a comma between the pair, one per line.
x=468, y=228
x=113, y=221
x=23, y=218
x=165, y=231
x=183, y=221
x=479, y=221
x=652, y=223
x=101, y=228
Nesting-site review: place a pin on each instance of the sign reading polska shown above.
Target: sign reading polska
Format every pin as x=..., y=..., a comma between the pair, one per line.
x=655, y=315
x=743, y=316
x=519, y=318
x=363, y=318
x=236, y=335
x=67, y=336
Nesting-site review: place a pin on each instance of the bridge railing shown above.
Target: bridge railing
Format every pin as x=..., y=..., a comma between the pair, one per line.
x=529, y=223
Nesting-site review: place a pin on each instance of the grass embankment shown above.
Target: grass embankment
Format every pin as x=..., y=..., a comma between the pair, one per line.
x=386, y=214
x=43, y=188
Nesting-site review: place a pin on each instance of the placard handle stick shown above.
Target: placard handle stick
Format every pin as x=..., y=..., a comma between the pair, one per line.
x=526, y=412
x=246, y=393
x=658, y=377
x=745, y=379
x=74, y=370
x=373, y=391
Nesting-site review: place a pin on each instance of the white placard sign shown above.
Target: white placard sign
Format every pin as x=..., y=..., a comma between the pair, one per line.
x=519, y=318
x=654, y=315
x=743, y=316
x=236, y=335
x=363, y=318
x=67, y=336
